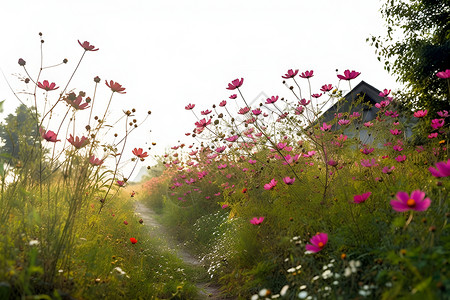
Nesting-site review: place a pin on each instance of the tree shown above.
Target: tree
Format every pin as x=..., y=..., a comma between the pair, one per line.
x=416, y=47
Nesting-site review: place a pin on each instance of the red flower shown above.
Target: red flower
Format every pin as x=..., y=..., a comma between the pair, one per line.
x=223, y=103
x=133, y=240
x=86, y=46
x=205, y=112
x=234, y=96
x=45, y=85
x=272, y=99
x=235, y=84
x=361, y=198
x=115, y=87
x=349, y=75
x=95, y=161
x=140, y=153
x=257, y=221
x=307, y=74
x=202, y=123
x=420, y=113
x=290, y=74
x=76, y=103
x=125, y=222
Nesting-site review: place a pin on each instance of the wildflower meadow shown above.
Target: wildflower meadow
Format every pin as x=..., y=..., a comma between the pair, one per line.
x=321, y=194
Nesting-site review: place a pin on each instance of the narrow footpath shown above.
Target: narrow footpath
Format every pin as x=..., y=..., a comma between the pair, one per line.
x=207, y=290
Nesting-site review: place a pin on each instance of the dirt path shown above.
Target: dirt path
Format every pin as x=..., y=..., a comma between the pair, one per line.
x=207, y=289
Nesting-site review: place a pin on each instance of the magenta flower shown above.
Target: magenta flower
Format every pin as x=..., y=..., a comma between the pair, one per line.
x=45, y=85
x=404, y=202
x=115, y=87
x=366, y=150
x=400, y=158
x=442, y=169
x=49, y=136
x=443, y=114
x=234, y=96
x=189, y=106
x=271, y=184
x=343, y=122
x=77, y=142
x=304, y=102
x=243, y=110
x=382, y=104
x=368, y=124
x=318, y=242
x=349, y=75
x=223, y=103
x=384, y=93
x=388, y=170
x=235, y=84
x=332, y=163
x=76, y=103
x=361, y=198
x=290, y=74
x=221, y=149
x=87, y=46
x=326, y=88
x=205, y=112
x=272, y=99
x=444, y=74
x=316, y=95
x=95, y=161
x=395, y=131
x=437, y=123
x=257, y=221
x=120, y=183
x=289, y=180
x=433, y=135
x=325, y=127
x=202, y=123
x=225, y=206
x=420, y=113
x=232, y=138
x=307, y=74
x=256, y=112
x=299, y=110
x=368, y=163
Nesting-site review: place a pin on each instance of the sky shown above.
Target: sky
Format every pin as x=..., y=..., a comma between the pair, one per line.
x=171, y=53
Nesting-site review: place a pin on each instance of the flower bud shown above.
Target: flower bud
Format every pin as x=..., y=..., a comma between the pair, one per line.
x=22, y=62
x=97, y=79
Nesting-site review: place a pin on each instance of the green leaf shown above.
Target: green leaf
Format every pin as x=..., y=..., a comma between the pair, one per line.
x=422, y=286
x=1, y=106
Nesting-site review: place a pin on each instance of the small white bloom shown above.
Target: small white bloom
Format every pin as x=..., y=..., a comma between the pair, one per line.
x=325, y=267
x=335, y=282
x=327, y=274
x=315, y=278
x=303, y=287
x=347, y=272
x=275, y=296
x=298, y=267
x=303, y=294
x=33, y=242
x=60, y=271
x=263, y=292
x=291, y=270
x=365, y=287
x=254, y=297
x=284, y=290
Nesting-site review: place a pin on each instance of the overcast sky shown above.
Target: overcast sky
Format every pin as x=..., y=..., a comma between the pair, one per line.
x=171, y=53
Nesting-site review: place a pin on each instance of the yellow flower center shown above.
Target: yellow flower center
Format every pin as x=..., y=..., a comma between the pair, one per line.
x=320, y=244
x=411, y=202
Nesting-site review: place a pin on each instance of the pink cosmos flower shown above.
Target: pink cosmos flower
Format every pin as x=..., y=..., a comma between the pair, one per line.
x=443, y=114
x=366, y=150
x=420, y=113
x=49, y=136
x=397, y=148
x=309, y=154
x=281, y=145
x=304, y=102
x=77, y=142
x=326, y=88
x=45, y=85
x=232, y=138
x=271, y=184
x=272, y=99
x=433, y=135
x=307, y=74
x=368, y=163
x=256, y=112
x=368, y=124
x=395, y=131
x=251, y=161
x=115, y=87
x=388, y=170
x=235, y=84
x=140, y=153
x=76, y=103
x=384, y=93
x=223, y=103
x=221, y=149
x=234, y=96
x=444, y=74
x=355, y=115
x=289, y=180
x=189, y=106
x=243, y=110
x=257, y=221
x=120, y=183
x=316, y=95
x=325, y=127
x=299, y=110
x=382, y=104
x=416, y=201
x=205, y=112
x=361, y=198
x=318, y=242
x=290, y=74
x=343, y=122
x=349, y=75
x=202, y=123
x=225, y=206
x=442, y=169
x=87, y=46
x=95, y=161
x=437, y=123
x=332, y=163
x=400, y=158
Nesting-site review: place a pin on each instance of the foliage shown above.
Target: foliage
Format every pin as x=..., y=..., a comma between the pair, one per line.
x=416, y=47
